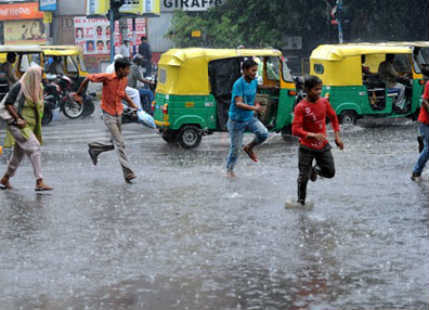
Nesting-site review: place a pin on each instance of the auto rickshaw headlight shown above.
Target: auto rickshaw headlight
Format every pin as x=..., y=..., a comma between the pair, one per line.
x=165, y=108
x=422, y=82
x=292, y=93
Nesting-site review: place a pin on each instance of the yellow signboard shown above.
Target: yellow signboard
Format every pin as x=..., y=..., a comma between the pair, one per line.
x=196, y=34
x=141, y=7
x=47, y=17
x=97, y=7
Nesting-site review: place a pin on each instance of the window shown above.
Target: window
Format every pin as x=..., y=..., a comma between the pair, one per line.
x=71, y=65
x=273, y=68
x=162, y=76
x=319, y=69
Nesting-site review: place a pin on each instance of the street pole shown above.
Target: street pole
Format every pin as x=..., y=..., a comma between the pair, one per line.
x=339, y=19
x=112, y=36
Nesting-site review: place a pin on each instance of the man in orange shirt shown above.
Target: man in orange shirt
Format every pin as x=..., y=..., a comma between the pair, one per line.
x=114, y=85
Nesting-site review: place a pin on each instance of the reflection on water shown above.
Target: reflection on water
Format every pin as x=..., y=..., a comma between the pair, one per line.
x=185, y=237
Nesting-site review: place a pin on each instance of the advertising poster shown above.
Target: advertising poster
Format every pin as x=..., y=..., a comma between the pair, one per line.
x=97, y=7
x=25, y=32
x=48, y=5
x=93, y=34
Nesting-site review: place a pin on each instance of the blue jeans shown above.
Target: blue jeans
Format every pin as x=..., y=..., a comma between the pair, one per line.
x=236, y=131
x=424, y=155
x=147, y=97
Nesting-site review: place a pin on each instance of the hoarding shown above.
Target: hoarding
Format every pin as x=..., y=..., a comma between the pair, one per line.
x=97, y=7
x=24, y=32
x=141, y=7
x=189, y=5
x=48, y=5
x=93, y=34
x=20, y=11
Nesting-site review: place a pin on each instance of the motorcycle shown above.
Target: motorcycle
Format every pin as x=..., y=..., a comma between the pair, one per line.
x=57, y=94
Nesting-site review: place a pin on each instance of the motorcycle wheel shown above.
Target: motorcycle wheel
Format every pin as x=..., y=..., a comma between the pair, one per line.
x=47, y=117
x=73, y=109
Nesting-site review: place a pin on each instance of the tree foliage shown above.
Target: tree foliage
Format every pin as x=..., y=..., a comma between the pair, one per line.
x=263, y=23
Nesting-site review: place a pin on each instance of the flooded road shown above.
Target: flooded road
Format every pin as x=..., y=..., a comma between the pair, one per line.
x=185, y=237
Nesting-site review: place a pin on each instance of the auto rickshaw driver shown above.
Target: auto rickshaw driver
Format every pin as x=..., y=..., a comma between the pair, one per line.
x=395, y=82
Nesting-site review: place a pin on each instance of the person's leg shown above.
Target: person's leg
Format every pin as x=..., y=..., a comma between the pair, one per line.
x=261, y=134
x=424, y=155
x=325, y=164
x=400, y=100
x=98, y=147
x=305, y=162
x=16, y=159
x=114, y=126
x=147, y=96
x=236, y=131
x=134, y=96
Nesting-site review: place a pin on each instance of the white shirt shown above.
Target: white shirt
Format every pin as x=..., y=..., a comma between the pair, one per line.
x=124, y=50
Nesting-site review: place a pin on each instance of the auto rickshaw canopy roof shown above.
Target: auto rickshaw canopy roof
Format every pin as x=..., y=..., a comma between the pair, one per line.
x=61, y=50
x=185, y=71
x=20, y=48
x=337, y=52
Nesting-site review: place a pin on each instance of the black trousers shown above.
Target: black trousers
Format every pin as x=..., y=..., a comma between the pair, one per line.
x=324, y=162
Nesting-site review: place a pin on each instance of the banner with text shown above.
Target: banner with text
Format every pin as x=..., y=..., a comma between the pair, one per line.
x=97, y=7
x=48, y=5
x=141, y=7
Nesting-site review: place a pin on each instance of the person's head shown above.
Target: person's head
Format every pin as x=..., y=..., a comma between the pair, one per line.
x=313, y=87
x=143, y=39
x=390, y=57
x=30, y=83
x=108, y=44
x=108, y=31
x=125, y=42
x=90, y=45
x=99, y=31
x=363, y=59
x=122, y=67
x=100, y=45
x=138, y=59
x=11, y=57
x=250, y=69
x=57, y=59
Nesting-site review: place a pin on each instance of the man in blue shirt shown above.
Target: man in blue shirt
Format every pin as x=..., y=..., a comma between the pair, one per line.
x=242, y=116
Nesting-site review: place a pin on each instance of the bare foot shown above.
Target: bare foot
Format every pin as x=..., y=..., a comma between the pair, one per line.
x=4, y=182
x=41, y=186
x=230, y=174
x=250, y=153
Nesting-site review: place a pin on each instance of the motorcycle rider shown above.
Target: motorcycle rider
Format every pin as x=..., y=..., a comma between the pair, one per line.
x=146, y=95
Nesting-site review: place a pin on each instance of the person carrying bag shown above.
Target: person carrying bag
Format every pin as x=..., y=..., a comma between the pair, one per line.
x=21, y=109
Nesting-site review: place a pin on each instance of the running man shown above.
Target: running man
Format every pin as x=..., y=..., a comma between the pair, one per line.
x=309, y=124
x=424, y=132
x=114, y=85
x=242, y=116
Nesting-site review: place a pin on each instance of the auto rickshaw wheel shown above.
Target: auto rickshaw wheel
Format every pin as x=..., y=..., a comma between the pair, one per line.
x=189, y=136
x=348, y=117
x=47, y=116
x=169, y=136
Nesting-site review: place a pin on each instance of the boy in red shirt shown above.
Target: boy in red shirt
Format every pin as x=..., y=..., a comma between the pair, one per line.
x=424, y=131
x=309, y=124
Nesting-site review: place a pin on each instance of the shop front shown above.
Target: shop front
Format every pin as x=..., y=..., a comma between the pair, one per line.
x=22, y=23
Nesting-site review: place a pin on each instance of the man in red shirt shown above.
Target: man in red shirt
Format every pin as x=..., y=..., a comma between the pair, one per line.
x=424, y=131
x=114, y=85
x=309, y=124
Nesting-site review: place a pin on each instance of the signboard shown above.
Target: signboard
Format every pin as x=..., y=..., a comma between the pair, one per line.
x=48, y=5
x=189, y=5
x=24, y=32
x=93, y=34
x=47, y=17
x=141, y=7
x=21, y=11
x=97, y=7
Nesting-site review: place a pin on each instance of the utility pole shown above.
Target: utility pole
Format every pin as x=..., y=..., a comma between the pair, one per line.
x=113, y=16
x=340, y=20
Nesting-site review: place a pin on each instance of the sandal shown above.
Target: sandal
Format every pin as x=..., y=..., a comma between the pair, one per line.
x=42, y=187
x=250, y=153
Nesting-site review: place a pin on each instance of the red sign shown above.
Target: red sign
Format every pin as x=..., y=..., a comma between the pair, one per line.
x=20, y=11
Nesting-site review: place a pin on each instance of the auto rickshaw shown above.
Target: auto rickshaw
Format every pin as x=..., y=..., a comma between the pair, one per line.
x=351, y=81
x=26, y=56
x=194, y=88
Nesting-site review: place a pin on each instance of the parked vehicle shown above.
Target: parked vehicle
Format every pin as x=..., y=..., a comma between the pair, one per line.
x=194, y=87
x=57, y=95
x=350, y=79
x=73, y=66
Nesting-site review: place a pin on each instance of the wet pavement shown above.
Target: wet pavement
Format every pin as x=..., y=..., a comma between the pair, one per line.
x=185, y=237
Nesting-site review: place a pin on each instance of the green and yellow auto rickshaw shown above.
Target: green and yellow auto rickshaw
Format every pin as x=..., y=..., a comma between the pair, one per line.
x=194, y=87
x=351, y=81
